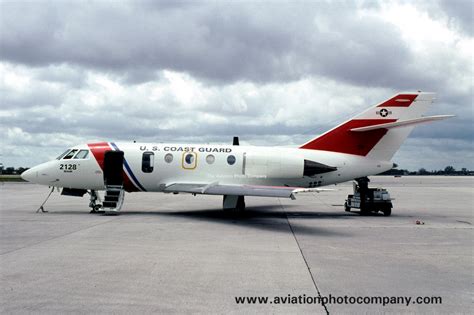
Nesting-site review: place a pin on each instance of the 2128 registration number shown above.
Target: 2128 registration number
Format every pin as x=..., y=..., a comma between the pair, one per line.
x=68, y=167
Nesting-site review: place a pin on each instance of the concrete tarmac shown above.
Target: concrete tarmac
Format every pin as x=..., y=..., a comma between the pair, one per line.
x=183, y=254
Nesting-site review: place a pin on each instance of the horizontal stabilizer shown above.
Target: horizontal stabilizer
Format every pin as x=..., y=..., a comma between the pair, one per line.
x=403, y=123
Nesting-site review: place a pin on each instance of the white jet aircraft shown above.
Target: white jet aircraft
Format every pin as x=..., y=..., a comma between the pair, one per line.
x=357, y=148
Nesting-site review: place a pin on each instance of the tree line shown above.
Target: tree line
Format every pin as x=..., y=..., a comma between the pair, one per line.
x=11, y=170
x=448, y=170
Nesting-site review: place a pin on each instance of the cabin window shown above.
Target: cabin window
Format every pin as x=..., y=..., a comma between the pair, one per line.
x=82, y=154
x=148, y=160
x=62, y=155
x=189, y=160
x=70, y=154
x=231, y=160
x=210, y=159
x=169, y=158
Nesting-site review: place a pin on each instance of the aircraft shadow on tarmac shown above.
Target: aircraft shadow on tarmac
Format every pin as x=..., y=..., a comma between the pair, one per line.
x=266, y=217
x=270, y=218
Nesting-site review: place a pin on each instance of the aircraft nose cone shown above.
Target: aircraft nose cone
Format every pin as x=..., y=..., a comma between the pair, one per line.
x=29, y=175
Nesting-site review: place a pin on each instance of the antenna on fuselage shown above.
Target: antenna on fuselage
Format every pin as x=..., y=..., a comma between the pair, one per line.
x=235, y=141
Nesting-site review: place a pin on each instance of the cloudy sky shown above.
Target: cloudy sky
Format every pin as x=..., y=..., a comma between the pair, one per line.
x=274, y=73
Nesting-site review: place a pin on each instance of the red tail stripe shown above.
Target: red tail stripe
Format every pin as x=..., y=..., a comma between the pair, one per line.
x=400, y=100
x=342, y=140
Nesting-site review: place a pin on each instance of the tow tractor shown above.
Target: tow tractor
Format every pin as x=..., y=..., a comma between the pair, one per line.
x=368, y=200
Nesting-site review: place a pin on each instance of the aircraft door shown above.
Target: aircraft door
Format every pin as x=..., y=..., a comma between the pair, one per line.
x=113, y=166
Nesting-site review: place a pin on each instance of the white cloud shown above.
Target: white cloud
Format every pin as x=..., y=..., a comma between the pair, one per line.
x=205, y=74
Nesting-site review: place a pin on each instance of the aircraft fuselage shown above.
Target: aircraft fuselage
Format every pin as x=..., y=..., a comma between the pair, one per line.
x=152, y=166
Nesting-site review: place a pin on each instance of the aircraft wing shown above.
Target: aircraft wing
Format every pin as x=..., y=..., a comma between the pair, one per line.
x=238, y=190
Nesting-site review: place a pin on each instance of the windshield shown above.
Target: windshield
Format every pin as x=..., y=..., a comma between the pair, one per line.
x=62, y=155
x=70, y=154
x=82, y=154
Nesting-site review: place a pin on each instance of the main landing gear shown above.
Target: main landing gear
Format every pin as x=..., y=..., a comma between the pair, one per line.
x=233, y=203
x=369, y=200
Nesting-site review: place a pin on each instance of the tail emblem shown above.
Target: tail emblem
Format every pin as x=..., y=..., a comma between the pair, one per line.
x=384, y=112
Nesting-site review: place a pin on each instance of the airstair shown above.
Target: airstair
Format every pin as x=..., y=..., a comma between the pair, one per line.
x=113, y=182
x=113, y=199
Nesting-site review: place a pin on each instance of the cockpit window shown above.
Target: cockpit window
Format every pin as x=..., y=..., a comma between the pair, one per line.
x=62, y=155
x=70, y=154
x=82, y=154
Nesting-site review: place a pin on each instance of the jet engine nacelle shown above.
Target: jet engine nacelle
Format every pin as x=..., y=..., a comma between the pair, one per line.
x=273, y=165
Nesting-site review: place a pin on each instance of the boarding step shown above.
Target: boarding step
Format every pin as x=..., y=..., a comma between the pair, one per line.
x=114, y=187
x=109, y=204
x=113, y=192
x=113, y=199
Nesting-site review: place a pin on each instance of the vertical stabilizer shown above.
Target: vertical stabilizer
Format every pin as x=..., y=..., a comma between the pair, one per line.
x=381, y=143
